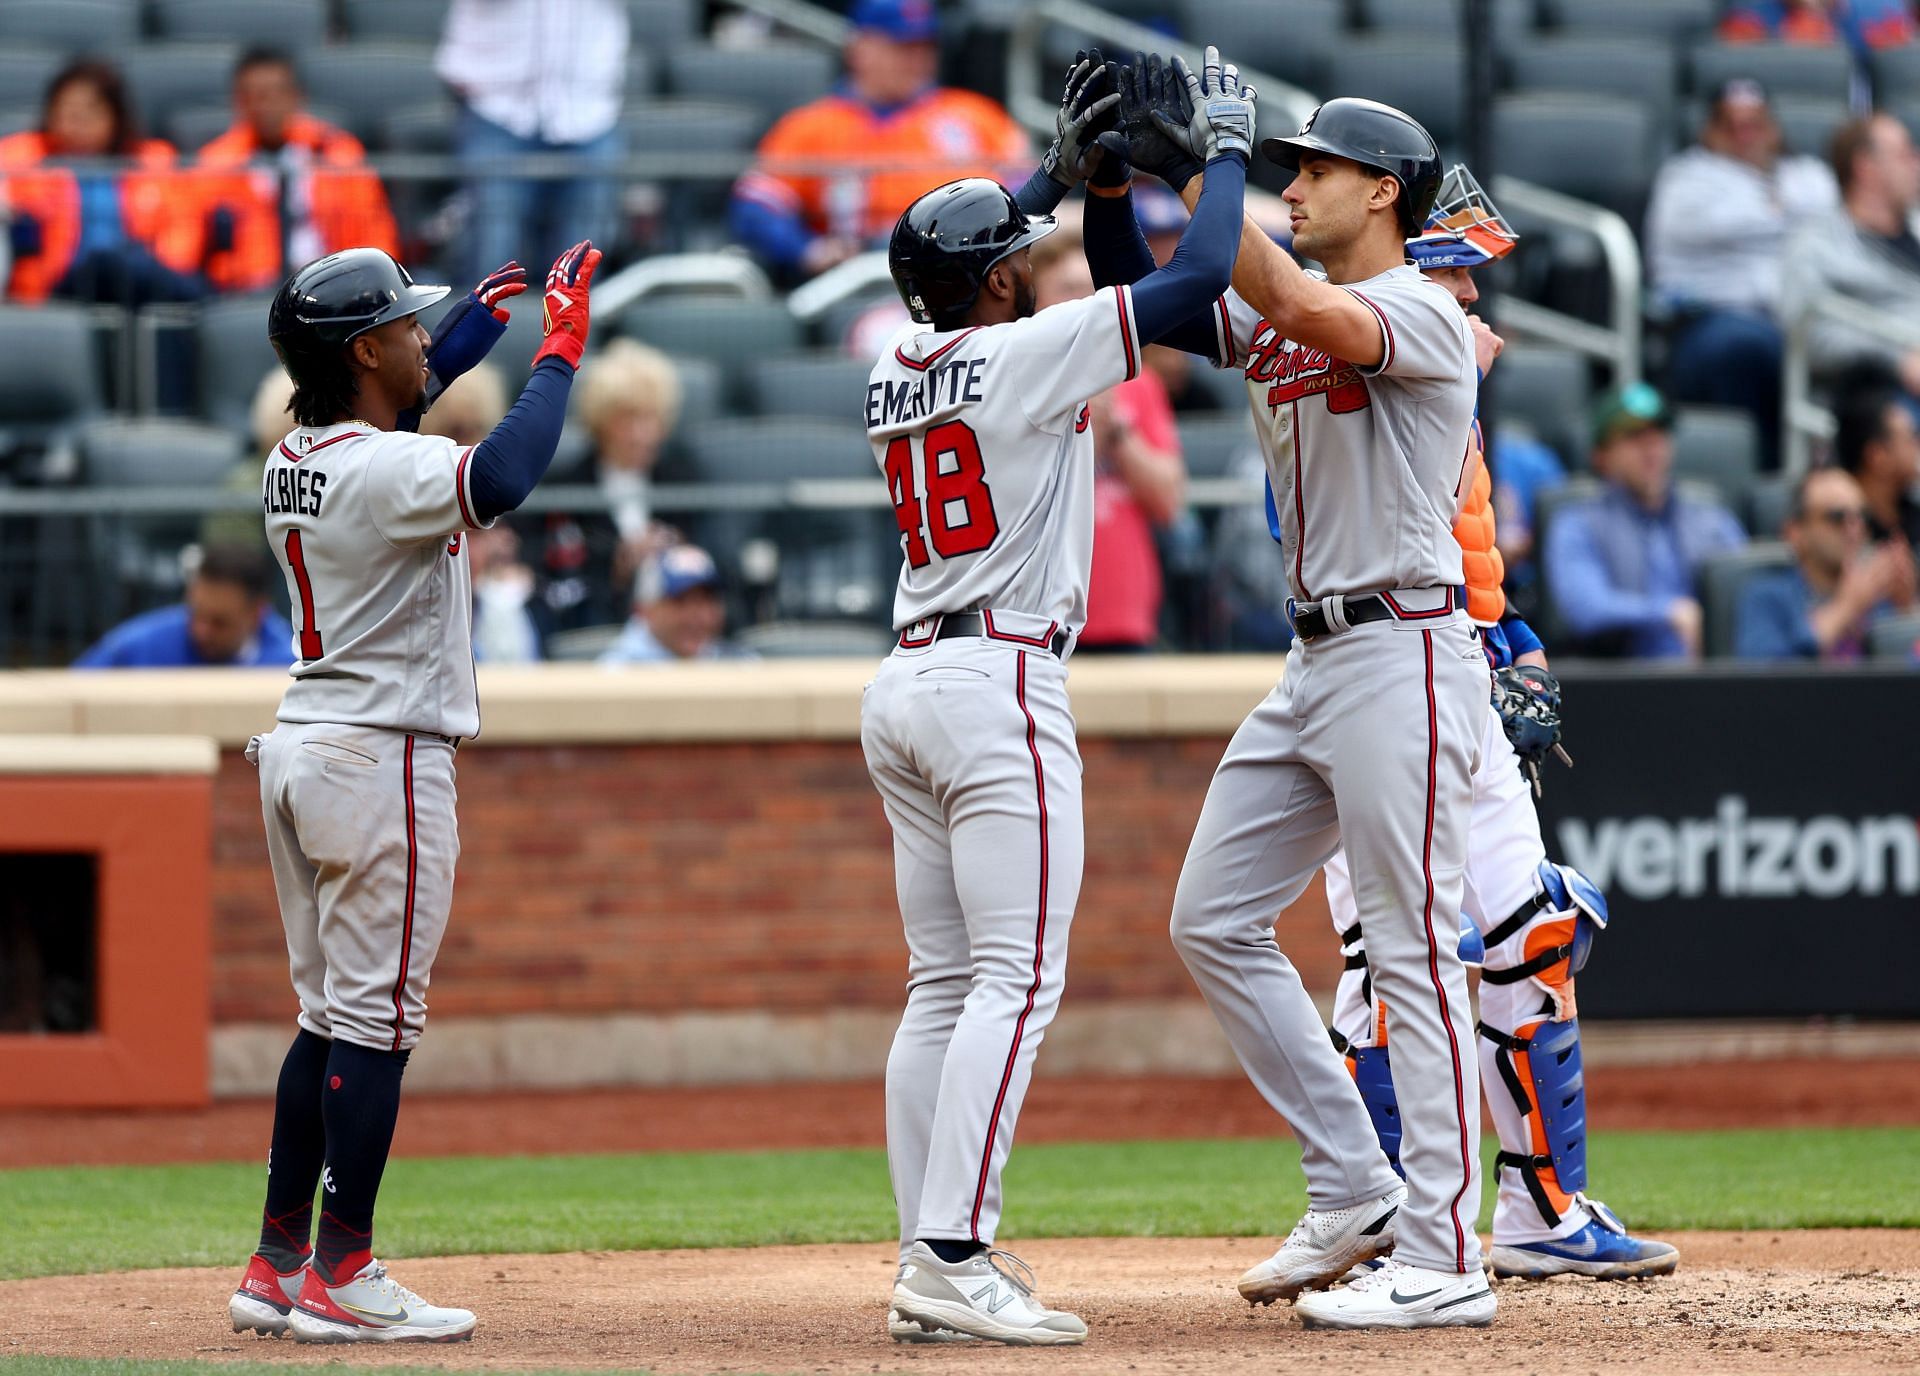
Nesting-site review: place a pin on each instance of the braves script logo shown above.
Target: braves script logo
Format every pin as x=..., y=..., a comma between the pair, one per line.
x=1297, y=371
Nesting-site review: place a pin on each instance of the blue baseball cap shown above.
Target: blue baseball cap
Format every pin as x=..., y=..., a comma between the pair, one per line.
x=904, y=21
x=682, y=569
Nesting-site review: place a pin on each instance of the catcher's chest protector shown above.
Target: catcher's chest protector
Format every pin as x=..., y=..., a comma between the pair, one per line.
x=1480, y=557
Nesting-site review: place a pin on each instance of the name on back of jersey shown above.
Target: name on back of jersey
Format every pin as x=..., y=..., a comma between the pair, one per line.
x=289, y=491
x=950, y=383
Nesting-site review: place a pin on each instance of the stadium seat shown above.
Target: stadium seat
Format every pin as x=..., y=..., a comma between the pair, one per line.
x=664, y=23
x=51, y=381
x=1807, y=123
x=1418, y=73
x=410, y=21
x=643, y=76
x=1213, y=445
x=1245, y=31
x=291, y=25
x=156, y=453
x=165, y=77
x=1780, y=67
x=19, y=119
x=1895, y=638
x=361, y=80
x=428, y=127
x=1896, y=73
x=772, y=79
x=192, y=127
x=1513, y=20
x=70, y=26
x=1595, y=148
x=24, y=72
x=779, y=449
x=1769, y=502
x=1676, y=21
x=817, y=639
x=1722, y=578
x=703, y=390
x=826, y=384
x=231, y=356
x=1720, y=447
x=732, y=332
x=1552, y=391
x=1642, y=70
x=690, y=126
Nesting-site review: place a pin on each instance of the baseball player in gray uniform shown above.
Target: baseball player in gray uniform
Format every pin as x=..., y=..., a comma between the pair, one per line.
x=1362, y=385
x=369, y=523
x=978, y=419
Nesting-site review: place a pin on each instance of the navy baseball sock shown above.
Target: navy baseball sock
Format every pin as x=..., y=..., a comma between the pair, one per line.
x=360, y=1101
x=299, y=1147
x=952, y=1249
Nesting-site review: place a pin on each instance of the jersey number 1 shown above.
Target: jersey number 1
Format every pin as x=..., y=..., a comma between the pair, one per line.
x=310, y=647
x=964, y=482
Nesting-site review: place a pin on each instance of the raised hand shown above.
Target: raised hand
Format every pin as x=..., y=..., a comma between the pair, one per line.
x=565, y=304
x=500, y=285
x=468, y=332
x=1219, y=110
x=1146, y=86
x=1088, y=109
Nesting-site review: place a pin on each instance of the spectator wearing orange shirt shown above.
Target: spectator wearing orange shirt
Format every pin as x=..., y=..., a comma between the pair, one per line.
x=891, y=133
x=93, y=211
x=1861, y=24
x=281, y=187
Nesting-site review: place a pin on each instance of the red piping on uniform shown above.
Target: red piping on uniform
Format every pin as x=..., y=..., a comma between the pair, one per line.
x=937, y=354
x=406, y=927
x=1299, y=511
x=460, y=487
x=1433, y=960
x=295, y=458
x=1044, y=642
x=1444, y=609
x=1386, y=328
x=1126, y=333
x=1039, y=947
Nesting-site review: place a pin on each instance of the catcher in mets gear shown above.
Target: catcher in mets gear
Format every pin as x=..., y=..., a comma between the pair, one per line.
x=369, y=521
x=1361, y=381
x=1528, y=922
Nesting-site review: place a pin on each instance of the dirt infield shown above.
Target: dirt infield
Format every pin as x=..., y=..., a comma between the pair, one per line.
x=1798, y=1093
x=1831, y=1301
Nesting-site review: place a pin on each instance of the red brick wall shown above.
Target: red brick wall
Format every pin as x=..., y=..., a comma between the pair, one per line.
x=669, y=878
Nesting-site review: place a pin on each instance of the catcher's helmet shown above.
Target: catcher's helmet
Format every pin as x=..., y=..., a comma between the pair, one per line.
x=1373, y=135
x=332, y=299
x=1465, y=227
x=945, y=243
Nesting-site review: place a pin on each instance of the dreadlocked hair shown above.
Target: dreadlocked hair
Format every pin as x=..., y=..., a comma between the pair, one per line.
x=324, y=392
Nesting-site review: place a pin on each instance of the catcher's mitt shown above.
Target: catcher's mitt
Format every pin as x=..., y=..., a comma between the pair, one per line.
x=1527, y=698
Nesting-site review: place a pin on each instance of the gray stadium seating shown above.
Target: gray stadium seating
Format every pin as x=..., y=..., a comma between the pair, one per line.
x=156, y=453
x=826, y=384
x=51, y=382
x=1245, y=31
x=1769, y=501
x=1593, y=147
x=230, y=342
x=1722, y=579
x=360, y=80
x=1895, y=638
x=1552, y=391
x=690, y=126
x=731, y=332
x=193, y=127
x=1807, y=123
x=291, y=25
x=1896, y=73
x=165, y=77
x=24, y=72
x=415, y=21
x=1672, y=20
x=1513, y=20
x=1780, y=67
x=424, y=128
x=804, y=639
x=1418, y=73
x=1719, y=447
x=772, y=79
x=776, y=449
x=70, y=25
x=1213, y=445
x=664, y=23
x=1643, y=70
x=703, y=388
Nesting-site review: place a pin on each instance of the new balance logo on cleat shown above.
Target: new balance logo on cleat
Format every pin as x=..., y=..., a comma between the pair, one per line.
x=992, y=1298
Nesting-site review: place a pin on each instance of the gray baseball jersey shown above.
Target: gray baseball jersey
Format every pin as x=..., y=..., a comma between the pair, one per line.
x=1366, y=480
x=367, y=526
x=984, y=439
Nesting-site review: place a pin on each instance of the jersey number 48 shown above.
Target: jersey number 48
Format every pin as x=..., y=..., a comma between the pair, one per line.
x=955, y=477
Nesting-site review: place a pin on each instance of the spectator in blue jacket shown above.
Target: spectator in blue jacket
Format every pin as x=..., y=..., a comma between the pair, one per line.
x=1823, y=606
x=224, y=622
x=1623, y=568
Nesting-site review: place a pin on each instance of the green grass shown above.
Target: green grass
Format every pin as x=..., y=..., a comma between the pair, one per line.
x=63, y=1221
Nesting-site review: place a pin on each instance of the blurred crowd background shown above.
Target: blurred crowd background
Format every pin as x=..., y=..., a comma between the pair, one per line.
x=1704, y=440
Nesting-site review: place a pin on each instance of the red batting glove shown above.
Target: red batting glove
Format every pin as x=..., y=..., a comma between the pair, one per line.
x=498, y=286
x=565, y=304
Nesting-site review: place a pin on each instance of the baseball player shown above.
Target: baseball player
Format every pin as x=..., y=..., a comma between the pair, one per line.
x=369, y=522
x=1362, y=383
x=978, y=419
x=1528, y=922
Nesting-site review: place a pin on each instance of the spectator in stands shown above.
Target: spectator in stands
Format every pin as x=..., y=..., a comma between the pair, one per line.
x=628, y=397
x=1867, y=251
x=536, y=78
x=677, y=613
x=83, y=227
x=1876, y=442
x=1623, y=568
x=224, y=621
x=1717, y=228
x=282, y=187
x=891, y=133
x=1861, y=24
x=1139, y=481
x=1822, y=607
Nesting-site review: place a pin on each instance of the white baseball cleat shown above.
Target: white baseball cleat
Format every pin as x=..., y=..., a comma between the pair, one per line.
x=1402, y=1296
x=908, y=1331
x=1323, y=1246
x=989, y=1295
x=372, y=1307
x=265, y=1297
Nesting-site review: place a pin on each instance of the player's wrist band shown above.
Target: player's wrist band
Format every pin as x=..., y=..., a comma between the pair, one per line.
x=1112, y=193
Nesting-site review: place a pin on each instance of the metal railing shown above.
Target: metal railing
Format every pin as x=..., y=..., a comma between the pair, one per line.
x=1618, y=342
x=1802, y=418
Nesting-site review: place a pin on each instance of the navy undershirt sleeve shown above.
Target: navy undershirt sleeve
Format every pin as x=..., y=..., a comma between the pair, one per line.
x=1041, y=195
x=1172, y=304
x=1118, y=254
x=508, y=463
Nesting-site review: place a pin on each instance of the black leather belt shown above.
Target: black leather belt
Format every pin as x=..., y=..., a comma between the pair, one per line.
x=975, y=624
x=1310, y=622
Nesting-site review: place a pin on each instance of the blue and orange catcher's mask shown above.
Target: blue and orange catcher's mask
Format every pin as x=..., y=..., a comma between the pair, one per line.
x=1465, y=229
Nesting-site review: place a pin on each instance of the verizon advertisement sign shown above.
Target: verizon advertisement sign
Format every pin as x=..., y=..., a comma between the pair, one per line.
x=1754, y=836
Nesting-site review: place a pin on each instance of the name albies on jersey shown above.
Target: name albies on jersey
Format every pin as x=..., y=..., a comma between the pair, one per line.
x=368, y=526
x=984, y=438
x=1364, y=465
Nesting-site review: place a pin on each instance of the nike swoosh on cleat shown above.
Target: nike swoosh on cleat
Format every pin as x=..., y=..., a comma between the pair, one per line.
x=1464, y=1299
x=1399, y=1298
x=397, y=1316
x=1374, y=1228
